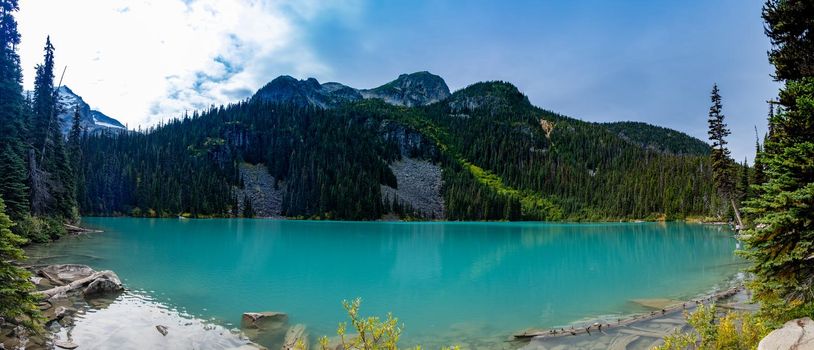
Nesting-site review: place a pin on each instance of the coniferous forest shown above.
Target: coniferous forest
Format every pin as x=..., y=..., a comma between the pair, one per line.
x=332, y=161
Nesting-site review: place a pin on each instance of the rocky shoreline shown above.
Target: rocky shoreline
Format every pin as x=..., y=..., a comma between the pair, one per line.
x=122, y=319
x=640, y=331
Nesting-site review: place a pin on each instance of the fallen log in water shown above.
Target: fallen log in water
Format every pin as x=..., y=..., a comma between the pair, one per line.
x=98, y=282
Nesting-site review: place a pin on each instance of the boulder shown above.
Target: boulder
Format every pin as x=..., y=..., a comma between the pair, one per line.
x=795, y=334
x=263, y=320
x=104, y=284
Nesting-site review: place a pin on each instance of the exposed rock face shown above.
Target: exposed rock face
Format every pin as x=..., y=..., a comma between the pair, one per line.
x=411, y=143
x=410, y=90
x=310, y=92
x=795, y=335
x=259, y=186
x=90, y=120
x=495, y=97
x=417, y=89
x=419, y=185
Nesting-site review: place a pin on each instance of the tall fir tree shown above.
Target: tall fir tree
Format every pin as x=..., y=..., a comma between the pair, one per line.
x=43, y=119
x=13, y=184
x=52, y=182
x=720, y=155
x=781, y=245
x=16, y=300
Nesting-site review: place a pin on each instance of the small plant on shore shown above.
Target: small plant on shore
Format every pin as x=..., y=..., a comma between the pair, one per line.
x=372, y=333
x=734, y=330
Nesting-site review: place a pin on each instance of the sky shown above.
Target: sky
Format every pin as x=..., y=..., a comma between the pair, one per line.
x=143, y=61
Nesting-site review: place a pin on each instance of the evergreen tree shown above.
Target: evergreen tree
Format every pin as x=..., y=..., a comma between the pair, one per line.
x=744, y=190
x=788, y=25
x=16, y=300
x=781, y=245
x=53, y=189
x=13, y=185
x=719, y=156
x=44, y=116
x=758, y=173
x=248, y=211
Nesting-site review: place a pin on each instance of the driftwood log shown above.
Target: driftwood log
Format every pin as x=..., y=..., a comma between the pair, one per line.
x=80, y=283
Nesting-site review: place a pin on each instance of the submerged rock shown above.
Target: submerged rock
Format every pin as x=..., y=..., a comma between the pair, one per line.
x=66, y=344
x=264, y=320
x=795, y=334
x=296, y=338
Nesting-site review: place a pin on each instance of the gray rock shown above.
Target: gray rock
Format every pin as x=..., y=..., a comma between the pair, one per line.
x=263, y=320
x=66, y=344
x=795, y=334
x=60, y=312
x=419, y=185
x=108, y=283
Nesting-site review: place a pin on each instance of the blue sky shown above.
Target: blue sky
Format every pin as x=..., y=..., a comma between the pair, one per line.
x=653, y=61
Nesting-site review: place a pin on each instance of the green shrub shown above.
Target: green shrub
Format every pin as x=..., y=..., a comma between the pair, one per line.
x=732, y=331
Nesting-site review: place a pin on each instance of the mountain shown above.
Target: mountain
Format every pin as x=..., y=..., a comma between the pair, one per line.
x=416, y=89
x=92, y=121
x=659, y=138
x=409, y=149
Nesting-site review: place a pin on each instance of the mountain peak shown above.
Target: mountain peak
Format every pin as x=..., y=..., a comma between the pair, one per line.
x=68, y=103
x=494, y=95
x=415, y=89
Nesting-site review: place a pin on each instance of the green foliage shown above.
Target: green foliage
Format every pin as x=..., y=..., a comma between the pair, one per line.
x=41, y=229
x=732, y=331
x=788, y=25
x=17, y=304
x=13, y=183
x=781, y=244
x=371, y=333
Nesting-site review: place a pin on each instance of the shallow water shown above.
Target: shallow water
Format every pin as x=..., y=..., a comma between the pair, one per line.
x=475, y=283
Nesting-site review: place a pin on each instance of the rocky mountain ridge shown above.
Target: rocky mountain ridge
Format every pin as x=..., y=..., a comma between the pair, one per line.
x=410, y=90
x=92, y=121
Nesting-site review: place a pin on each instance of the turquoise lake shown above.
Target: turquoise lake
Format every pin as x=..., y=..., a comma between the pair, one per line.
x=443, y=280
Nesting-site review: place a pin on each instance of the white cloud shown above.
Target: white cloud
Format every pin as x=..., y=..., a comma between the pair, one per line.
x=142, y=61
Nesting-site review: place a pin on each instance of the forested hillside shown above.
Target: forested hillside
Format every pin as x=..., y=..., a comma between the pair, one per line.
x=501, y=158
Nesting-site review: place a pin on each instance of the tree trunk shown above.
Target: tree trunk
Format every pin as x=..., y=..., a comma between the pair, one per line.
x=737, y=214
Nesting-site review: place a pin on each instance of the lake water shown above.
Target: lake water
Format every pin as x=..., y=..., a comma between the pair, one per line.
x=447, y=282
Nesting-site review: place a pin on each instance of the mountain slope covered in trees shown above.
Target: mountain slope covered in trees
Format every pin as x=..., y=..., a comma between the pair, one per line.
x=501, y=157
